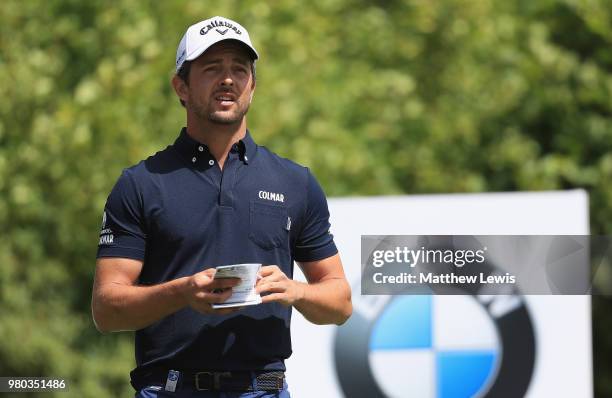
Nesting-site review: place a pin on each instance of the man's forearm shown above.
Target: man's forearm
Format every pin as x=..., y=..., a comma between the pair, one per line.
x=119, y=307
x=326, y=302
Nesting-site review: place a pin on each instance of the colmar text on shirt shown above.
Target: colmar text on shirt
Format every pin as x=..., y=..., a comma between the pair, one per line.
x=277, y=197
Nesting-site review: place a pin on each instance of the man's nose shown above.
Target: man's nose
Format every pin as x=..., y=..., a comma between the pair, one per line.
x=227, y=81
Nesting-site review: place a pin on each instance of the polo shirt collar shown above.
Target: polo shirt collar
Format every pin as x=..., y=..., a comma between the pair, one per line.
x=191, y=149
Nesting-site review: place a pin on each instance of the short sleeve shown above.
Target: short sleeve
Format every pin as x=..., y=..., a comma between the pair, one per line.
x=123, y=233
x=315, y=241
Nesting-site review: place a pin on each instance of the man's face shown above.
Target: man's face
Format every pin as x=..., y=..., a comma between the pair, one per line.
x=221, y=83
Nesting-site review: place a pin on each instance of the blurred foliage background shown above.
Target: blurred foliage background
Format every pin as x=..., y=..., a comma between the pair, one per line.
x=377, y=97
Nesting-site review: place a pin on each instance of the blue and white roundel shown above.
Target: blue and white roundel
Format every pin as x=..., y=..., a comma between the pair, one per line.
x=422, y=346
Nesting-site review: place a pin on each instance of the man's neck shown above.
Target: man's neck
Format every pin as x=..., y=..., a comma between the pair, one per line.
x=218, y=137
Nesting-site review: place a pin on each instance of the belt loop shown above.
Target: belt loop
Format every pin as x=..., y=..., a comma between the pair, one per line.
x=216, y=383
x=217, y=378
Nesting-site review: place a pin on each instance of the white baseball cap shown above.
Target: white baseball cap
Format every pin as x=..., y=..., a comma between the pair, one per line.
x=202, y=35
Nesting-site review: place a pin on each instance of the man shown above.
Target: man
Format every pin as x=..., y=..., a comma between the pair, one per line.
x=214, y=198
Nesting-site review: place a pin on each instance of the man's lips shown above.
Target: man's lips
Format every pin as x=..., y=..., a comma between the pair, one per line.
x=225, y=98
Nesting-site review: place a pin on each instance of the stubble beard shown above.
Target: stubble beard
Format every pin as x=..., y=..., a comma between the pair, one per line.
x=226, y=117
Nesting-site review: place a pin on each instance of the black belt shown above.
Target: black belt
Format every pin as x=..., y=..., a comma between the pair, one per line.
x=231, y=381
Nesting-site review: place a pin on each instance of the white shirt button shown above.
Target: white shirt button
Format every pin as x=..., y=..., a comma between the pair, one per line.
x=211, y=162
x=193, y=159
x=201, y=148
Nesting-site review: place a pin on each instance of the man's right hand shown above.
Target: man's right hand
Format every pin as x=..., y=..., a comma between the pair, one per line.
x=202, y=290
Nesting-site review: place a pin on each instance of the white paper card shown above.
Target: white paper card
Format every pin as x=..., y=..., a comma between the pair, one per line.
x=244, y=293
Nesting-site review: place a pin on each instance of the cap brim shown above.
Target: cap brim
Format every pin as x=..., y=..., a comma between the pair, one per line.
x=196, y=53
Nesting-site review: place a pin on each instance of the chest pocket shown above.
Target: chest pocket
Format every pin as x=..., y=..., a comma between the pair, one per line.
x=268, y=226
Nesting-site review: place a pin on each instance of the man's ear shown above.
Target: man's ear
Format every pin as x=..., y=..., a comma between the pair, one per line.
x=180, y=87
x=252, y=91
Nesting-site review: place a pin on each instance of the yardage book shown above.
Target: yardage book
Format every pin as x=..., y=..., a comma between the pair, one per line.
x=244, y=293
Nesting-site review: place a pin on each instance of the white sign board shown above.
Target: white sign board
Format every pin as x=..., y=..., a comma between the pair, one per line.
x=459, y=338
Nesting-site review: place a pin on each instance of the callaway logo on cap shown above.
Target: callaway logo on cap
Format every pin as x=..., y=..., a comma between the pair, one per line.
x=200, y=36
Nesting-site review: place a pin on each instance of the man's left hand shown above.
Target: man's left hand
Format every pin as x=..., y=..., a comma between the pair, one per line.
x=275, y=286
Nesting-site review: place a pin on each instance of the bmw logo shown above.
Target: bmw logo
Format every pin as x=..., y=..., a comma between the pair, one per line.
x=436, y=346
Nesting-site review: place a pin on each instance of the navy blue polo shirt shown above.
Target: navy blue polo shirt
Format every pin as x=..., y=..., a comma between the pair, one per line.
x=179, y=213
